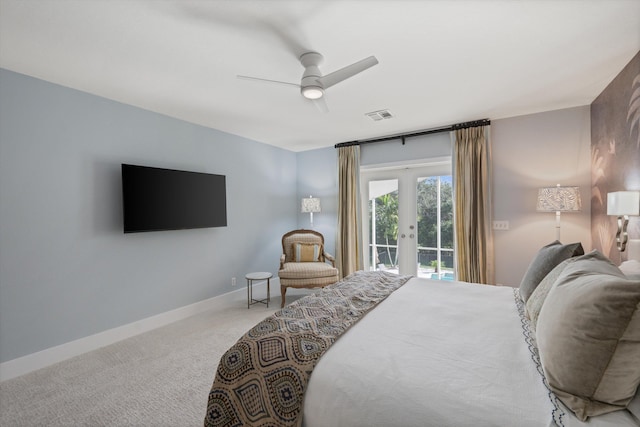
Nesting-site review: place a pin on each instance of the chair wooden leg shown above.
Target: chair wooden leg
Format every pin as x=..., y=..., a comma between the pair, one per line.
x=283, y=292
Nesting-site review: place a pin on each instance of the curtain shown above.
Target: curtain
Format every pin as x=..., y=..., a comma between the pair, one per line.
x=349, y=239
x=472, y=205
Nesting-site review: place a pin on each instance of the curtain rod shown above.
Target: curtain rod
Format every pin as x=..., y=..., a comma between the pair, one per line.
x=402, y=137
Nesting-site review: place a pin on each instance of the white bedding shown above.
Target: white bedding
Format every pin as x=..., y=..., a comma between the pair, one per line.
x=437, y=354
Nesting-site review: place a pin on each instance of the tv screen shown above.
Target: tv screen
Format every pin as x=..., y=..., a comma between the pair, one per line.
x=157, y=199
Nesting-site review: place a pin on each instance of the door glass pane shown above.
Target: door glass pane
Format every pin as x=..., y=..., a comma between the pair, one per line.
x=446, y=227
x=435, y=227
x=383, y=225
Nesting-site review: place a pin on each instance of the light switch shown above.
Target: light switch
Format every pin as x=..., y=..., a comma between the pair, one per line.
x=500, y=225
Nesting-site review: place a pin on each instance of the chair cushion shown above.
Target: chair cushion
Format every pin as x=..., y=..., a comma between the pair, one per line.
x=306, y=270
x=301, y=236
x=307, y=252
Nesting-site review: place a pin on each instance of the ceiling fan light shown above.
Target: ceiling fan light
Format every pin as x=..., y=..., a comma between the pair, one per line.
x=312, y=92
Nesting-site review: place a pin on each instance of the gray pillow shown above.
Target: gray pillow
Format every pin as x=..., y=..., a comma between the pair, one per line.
x=588, y=335
x=545, y=260
x=539, y=294
x=634, y=405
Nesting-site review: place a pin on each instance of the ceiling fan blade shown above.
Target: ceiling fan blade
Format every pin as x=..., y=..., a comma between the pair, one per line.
x=267, y=80
x=321, y=104
x=346, y=72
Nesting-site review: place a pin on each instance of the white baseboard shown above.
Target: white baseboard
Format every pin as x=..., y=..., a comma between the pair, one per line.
x=31, y=362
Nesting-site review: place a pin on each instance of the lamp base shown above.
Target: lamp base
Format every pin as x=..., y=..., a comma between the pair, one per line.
x=621, y=235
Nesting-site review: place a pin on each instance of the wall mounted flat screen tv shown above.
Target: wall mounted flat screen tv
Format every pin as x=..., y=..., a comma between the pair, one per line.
x=157, y=199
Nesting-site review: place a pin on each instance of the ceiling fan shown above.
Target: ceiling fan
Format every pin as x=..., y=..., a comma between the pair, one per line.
x=313, y=83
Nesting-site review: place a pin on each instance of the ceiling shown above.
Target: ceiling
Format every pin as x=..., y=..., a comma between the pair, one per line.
x=440, y=62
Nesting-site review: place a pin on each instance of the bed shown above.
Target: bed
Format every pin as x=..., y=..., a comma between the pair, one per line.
x=421, y=353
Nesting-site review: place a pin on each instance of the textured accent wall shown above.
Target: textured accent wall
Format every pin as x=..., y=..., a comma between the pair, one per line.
x=615, y=155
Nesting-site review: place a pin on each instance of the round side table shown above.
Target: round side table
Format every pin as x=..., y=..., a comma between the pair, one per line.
x=251, y=277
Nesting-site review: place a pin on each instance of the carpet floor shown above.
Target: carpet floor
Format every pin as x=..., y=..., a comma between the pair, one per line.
x=158, y=378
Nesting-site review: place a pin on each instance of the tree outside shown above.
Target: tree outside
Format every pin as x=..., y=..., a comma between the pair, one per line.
x=427, y=213
x=387, y=227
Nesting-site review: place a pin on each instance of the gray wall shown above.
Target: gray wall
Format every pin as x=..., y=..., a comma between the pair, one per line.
x=538, y=150
x=66, y=269
x=415, y=149
x=318, y=176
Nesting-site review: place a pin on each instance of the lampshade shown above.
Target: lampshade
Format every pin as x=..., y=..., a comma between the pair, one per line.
x=559, y=199
x=310, y=204
x=623, y=203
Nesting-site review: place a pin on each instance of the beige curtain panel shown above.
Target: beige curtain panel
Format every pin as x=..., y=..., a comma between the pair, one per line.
x=472, y=205
x=349, y=239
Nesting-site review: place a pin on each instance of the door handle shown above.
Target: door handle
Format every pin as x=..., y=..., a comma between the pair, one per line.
x=411, y=236
x=403, y=236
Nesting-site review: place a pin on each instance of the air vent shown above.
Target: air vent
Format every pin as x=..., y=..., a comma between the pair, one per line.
x=380, y=115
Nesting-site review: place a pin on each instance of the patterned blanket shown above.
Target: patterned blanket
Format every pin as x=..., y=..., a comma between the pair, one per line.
x=261, y=380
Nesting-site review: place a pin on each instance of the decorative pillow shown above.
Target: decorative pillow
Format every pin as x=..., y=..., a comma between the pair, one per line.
x=306, y=252
x=545, y=260
x=539, y=294
x=588, y=335
x=634, y=405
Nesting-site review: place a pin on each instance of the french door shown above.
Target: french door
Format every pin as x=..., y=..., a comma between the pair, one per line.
x=408, y=219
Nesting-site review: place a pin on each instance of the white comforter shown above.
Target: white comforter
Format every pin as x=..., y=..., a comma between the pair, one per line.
x=436, y=354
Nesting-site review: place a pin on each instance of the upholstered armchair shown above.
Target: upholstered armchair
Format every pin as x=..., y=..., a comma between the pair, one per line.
x=304, y=263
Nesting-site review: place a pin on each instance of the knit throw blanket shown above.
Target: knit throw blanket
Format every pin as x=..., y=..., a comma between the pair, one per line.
x=262, y=379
